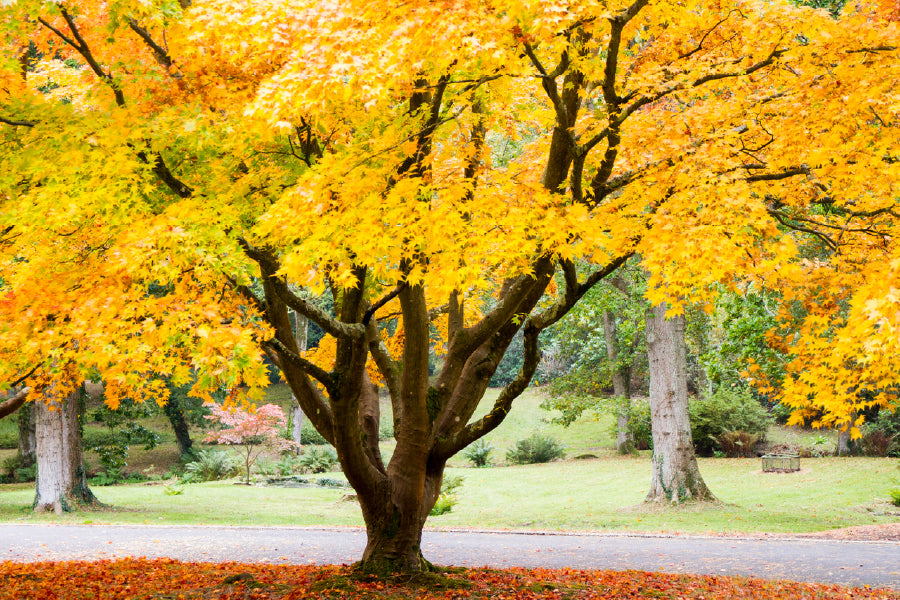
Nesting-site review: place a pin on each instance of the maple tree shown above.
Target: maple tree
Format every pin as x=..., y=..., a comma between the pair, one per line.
x=254, y=430
x=172, y=173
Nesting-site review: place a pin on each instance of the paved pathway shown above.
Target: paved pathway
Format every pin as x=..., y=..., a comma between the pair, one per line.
x=848, y=563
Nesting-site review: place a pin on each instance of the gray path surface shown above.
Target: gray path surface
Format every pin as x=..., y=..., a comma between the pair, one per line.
x=847, y=563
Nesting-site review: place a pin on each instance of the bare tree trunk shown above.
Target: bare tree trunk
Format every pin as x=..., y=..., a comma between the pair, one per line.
x=621, y=380
x=301, y=336
x=676, y=476
x=61, y=480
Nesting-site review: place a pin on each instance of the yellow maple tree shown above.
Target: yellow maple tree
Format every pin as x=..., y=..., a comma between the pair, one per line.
x=433, y=162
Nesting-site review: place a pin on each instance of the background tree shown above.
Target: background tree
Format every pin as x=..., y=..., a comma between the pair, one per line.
x=255, y=431
x=61, y=479
x=675, y=476
x=602, y=339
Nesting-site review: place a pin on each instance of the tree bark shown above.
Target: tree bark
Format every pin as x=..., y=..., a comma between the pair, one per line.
x=61, y=480
x=175, y=414
x=676, y=475
x=621, y=380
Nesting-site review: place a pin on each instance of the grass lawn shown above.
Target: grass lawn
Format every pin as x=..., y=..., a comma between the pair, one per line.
x=602, y=494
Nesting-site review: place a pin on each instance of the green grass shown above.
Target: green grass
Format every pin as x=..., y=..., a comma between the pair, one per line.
x=604, y=494
x=587, y=435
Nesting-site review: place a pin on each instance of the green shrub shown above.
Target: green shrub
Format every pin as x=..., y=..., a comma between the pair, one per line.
x=309, y=435
x=536, y=448
x=479, y=453
x=447, y=498
x=9, y=440
x=639, y=425
x=895, y=496
x=729, y=409
x=888, y=423
x=287, y=465
x=385, y=431
x=121, y=432
x=13, y=471
x=266, y=468
x=318, y=459
x=332, y=483
x=211, y=465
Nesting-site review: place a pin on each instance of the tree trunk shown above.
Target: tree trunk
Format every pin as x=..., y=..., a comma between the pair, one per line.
x=676, y=476
x=394, y=520
x=27, y=455
x=175, y=414
x=845, y=444
x=301, y=336
x=61, y=480
x=621, y=380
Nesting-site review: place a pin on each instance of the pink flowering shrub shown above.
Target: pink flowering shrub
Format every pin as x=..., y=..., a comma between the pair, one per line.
x=254, y=432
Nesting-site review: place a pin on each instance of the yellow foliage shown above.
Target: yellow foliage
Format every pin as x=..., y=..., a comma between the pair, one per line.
x=152, y=150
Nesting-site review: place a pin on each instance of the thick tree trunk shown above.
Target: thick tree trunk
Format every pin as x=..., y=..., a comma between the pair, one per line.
x=175, y=414
x=676, y=476
x=621, y=380
x=27, y=454
x=394, y=520
x=61, y=480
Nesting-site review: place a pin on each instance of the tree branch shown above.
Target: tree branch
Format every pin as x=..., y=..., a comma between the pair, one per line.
x=162, y=57
x=367, y=316
x=80, y=46
x=269, y=265
x=13, y=404
x=320, y=374
x=17, y=123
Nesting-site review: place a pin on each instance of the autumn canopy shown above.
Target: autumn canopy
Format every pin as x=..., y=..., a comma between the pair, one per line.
x=176, y=176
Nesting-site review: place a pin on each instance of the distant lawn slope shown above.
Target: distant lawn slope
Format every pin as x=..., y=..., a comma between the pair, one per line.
x=604, y=494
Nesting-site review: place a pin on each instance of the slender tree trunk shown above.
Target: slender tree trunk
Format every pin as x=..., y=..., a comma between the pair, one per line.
x=175, y=414
x=845, y=443
x=621, y=380
x=61, y=480
x=676, y=476
x=27, y=454
x=301, y=336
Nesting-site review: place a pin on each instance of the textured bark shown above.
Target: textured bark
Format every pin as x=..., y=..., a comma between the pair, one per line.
x=27, y=453
x=175, y=414
x=394, y=525
x=61, y=481
x=676, y=476
x=621, y=380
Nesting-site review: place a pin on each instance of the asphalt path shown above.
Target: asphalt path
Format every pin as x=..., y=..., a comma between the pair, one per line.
x=850, y=563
